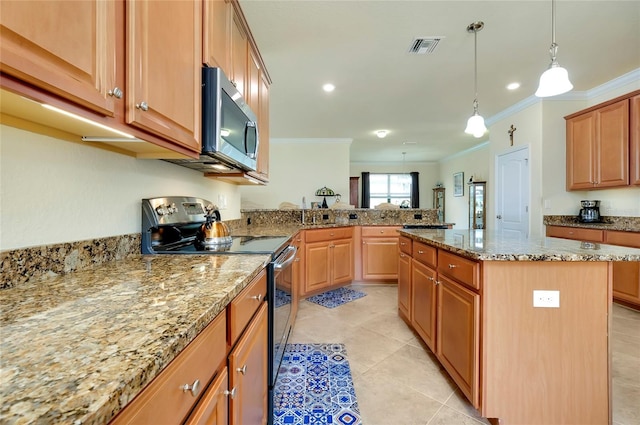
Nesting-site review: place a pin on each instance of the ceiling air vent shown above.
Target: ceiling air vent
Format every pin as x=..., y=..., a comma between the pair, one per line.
x=424, y=45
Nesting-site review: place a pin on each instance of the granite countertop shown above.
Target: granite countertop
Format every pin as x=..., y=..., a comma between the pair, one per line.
x=624, y=224
x=490, y=246
x=78, y=347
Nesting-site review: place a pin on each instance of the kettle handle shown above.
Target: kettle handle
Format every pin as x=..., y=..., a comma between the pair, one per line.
x=216, y=214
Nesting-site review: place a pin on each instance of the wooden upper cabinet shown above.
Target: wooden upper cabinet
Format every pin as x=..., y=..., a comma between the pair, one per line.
x=598, y=147
x=634, y=138
x=263, y=127
x=64, y=47
x=612, y=135
x=252, y=94
x=581, y=151
x=164, y=52
x=239, y=53
x=216, y=40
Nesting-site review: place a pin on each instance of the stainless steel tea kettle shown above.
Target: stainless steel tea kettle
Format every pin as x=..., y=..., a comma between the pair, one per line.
x=214, y=231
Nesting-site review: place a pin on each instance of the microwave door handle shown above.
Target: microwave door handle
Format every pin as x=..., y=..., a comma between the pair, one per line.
x=248, y=125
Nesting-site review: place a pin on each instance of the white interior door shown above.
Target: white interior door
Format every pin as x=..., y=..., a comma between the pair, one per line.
x=512, y=193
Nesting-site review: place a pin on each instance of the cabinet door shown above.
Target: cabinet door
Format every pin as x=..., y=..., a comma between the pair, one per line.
x=581, y=151
x=164, y=52
x=612, y=134
x=213, y=408
x=458, y=335
x=404, y=286
x=626, y=281
x=64, y=47
x=216, y=40
x=248, y=373
x=317, y=272
x=342, y=259
x=263, y=128
x=380, y=258
x=239, y=52
x=423, y=303
x=634, y=139
x=252, y=94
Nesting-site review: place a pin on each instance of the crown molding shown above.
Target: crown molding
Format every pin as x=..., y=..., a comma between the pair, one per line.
x=621, y=81
x=465, y=152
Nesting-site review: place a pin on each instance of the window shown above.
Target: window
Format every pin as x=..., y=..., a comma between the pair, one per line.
x=390, y=188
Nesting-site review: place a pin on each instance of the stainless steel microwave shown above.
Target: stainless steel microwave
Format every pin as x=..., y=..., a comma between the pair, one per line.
x=229, y=126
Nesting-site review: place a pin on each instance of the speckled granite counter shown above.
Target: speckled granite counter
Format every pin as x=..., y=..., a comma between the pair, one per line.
x=624, y=224
x=489, y=246
x=77, y=347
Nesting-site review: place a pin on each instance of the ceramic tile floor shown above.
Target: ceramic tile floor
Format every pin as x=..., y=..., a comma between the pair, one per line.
x=398, y=381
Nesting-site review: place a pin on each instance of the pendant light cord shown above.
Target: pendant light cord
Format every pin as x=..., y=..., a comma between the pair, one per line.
x=475, y=67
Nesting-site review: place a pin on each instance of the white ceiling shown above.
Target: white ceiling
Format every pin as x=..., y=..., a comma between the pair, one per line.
x=361, y=47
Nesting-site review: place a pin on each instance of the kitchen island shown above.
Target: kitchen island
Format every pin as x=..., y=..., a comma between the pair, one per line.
x=520, y=356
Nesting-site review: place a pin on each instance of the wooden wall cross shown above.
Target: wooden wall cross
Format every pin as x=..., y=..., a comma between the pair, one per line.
x=511, y=130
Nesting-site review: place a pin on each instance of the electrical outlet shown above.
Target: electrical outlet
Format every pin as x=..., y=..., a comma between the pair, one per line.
x=417, y=216
x=546, y=299
x=325, y=216
x=353, y=216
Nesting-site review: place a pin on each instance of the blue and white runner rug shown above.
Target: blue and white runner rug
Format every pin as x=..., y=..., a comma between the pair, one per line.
x=315, y=387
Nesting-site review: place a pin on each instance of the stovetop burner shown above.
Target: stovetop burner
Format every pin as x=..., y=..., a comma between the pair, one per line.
x=238, y=245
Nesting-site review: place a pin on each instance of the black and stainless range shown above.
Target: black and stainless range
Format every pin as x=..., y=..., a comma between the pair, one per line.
x=177, y=225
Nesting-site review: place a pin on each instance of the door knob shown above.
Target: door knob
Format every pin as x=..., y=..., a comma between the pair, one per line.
x=499, y=217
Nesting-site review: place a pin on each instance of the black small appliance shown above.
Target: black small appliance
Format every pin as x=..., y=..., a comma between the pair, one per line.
x=590, y=212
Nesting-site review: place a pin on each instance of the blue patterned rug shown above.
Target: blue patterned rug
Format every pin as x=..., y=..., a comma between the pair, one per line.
x=314, y=387
x=336, y=297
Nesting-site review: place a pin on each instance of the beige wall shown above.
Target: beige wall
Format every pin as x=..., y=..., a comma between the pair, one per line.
x=541, y=127
x=473, y=162
x=298, y=168
x=54, y=191
x=427, y=179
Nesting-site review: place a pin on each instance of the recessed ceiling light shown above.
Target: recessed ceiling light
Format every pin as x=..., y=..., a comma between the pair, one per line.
x=513, y=86
x=382, y=133
x=328, y=87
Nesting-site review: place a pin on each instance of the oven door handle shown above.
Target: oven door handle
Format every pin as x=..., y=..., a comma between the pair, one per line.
x=288, y=255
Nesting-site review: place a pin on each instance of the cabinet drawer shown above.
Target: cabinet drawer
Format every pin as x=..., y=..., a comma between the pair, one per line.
x=379, y=231
x=406, y=245
x=463, y=270
x=592, y=235
x=163, y=400
x=320, y=235
x=615, y=237
x=244, y=306
x=425, y=254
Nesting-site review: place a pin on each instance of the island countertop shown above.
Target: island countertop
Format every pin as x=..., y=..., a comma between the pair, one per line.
x=491, y=246
x=78, y=347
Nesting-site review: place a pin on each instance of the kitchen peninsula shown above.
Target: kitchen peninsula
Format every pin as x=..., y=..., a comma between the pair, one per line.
x=521, y=325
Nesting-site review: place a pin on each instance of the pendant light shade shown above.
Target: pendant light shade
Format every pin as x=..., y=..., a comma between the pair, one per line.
x=475, y=124
x=555, y=80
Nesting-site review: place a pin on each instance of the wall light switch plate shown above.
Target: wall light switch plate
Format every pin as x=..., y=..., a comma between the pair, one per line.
x=546, y=299
x=222, y=202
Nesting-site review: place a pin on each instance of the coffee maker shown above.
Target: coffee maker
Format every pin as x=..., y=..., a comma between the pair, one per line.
x=590, y=212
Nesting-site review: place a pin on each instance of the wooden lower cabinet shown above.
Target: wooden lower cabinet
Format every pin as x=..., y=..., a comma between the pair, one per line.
x=379, y=253
x=626, y=283
x=626, y=286
x=458, y=336
x=423, y=303
x=248, y=373
x=328, y=262
x=213, y=408
x=404, y=286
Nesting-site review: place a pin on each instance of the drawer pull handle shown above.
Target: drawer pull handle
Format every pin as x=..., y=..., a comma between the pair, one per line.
x=142, y=106
x=257, y=297
x=242, y=370
x=381, y=231
x=194, y=388
x=452, y=266
x=420, y=251
x=430, y=278
x=231, y=393
x=402, y=243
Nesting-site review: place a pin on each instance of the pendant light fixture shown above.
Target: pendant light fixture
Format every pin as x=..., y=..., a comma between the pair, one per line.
x=475, y=124
x=555, y=80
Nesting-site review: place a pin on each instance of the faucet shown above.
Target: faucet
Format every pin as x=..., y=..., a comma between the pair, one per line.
x=303, y=215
